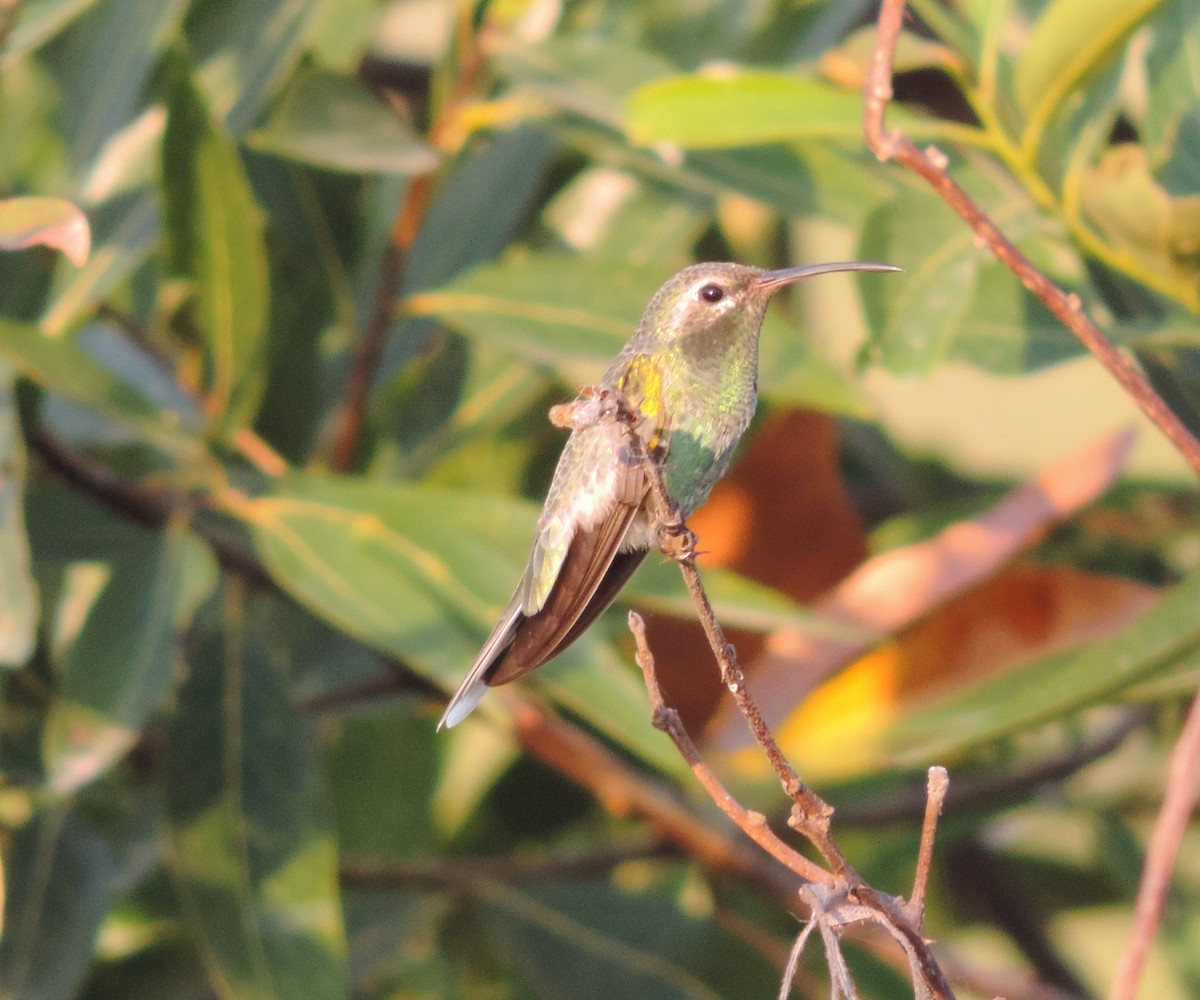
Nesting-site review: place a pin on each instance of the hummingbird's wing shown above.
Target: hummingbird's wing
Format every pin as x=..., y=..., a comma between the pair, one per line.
x=576, y=569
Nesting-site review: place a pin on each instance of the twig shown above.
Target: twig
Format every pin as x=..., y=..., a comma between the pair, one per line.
x=891, y=144
x=939, y=782
x=369, y=349
x=1169, y=828
x=993, y=790
x=753, y=824
x=810, y=814
x=9, y=10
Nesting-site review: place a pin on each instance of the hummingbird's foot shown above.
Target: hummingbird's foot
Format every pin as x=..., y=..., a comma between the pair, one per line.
x=592, y=406
x=676, y=540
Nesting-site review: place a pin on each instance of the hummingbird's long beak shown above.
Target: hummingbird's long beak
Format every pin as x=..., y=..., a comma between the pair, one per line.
x=786, y=275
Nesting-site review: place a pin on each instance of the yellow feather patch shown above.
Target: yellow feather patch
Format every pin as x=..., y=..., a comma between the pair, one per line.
x=641, y=386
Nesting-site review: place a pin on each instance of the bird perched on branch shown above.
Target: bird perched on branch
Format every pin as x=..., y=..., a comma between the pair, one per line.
x=687, y=382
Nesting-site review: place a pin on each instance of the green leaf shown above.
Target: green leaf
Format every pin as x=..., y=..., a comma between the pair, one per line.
x=744, y=109
x=331, y=120
x=60, y=367
x=112, y=676
x=587, y=75
x=40, y=21
x=424, y=573
x=1172, y=76
x=594, y=939
x=215, y=238
x=18, y=592
x=105, y=64
x=246, y=51
x=1072, y=40
x=419, y=572
x=568, y=313
x=915, y=316
x=123, y=234
x=251, y=848
x=50, y=222
x=1159, y=642
x=59, y=882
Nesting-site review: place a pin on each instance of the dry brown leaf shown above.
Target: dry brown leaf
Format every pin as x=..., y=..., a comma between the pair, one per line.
x=895, y=590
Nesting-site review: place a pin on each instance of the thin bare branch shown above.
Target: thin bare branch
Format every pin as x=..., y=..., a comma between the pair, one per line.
x=368, y=351
x=891, y=144
x=935, y=798
x=1169, y=828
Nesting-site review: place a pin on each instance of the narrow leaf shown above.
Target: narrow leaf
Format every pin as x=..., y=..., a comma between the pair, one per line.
x=1159, y=642
x=742, y=108
x=1072, y=40
x=114, y=676
x=18, y=593
x=215, y=238
x=250, y=844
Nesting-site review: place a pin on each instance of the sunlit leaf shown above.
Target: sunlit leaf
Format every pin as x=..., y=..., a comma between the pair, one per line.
x=250, y=845
x=1158, y=642
x=51, y=222
x=743, y=109
x=112, y=676
x=1071, y=40
x=18, y=593
x=215, y=237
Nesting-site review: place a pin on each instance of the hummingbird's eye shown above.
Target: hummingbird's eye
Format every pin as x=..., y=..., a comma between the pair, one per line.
x=712, y=293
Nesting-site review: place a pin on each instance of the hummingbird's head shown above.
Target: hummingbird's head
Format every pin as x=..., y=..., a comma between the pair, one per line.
x=708, y=304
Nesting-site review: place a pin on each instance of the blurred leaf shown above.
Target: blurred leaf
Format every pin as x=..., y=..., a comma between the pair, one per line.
x=1160, y=641
x=331, y=120
x=566, y=312
x=1173, y=76
x=916, y=316
x=1007, y=329
x=745, y=108
x=592, y=939
x=588, y=75
x=215, y=237
x=60, y=367
x=51, y=222
x=59, y=883
x=123, y=234
x=18, y=592
x=251, y=847
x=245, y=51
x=383, y=811
x=40, y=20
x=107, y=58
x=1072, y=40
x=1128, y=205
x=113, y=677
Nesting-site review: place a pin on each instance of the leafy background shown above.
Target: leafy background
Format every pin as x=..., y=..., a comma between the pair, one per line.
x=224, y=639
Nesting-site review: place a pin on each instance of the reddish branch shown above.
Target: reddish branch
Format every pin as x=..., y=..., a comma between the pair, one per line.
x=1180, y=797
x=369, y=349
x=890, y=144
x=1169, y=828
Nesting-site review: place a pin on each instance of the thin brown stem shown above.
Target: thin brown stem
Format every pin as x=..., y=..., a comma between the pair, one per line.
x=891, y=144
x=1169, y=829
x=753, y=824
x=935, y=798
x=368, y=351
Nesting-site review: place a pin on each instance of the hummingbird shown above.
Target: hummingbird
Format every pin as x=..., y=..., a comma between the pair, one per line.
x=689, y=378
